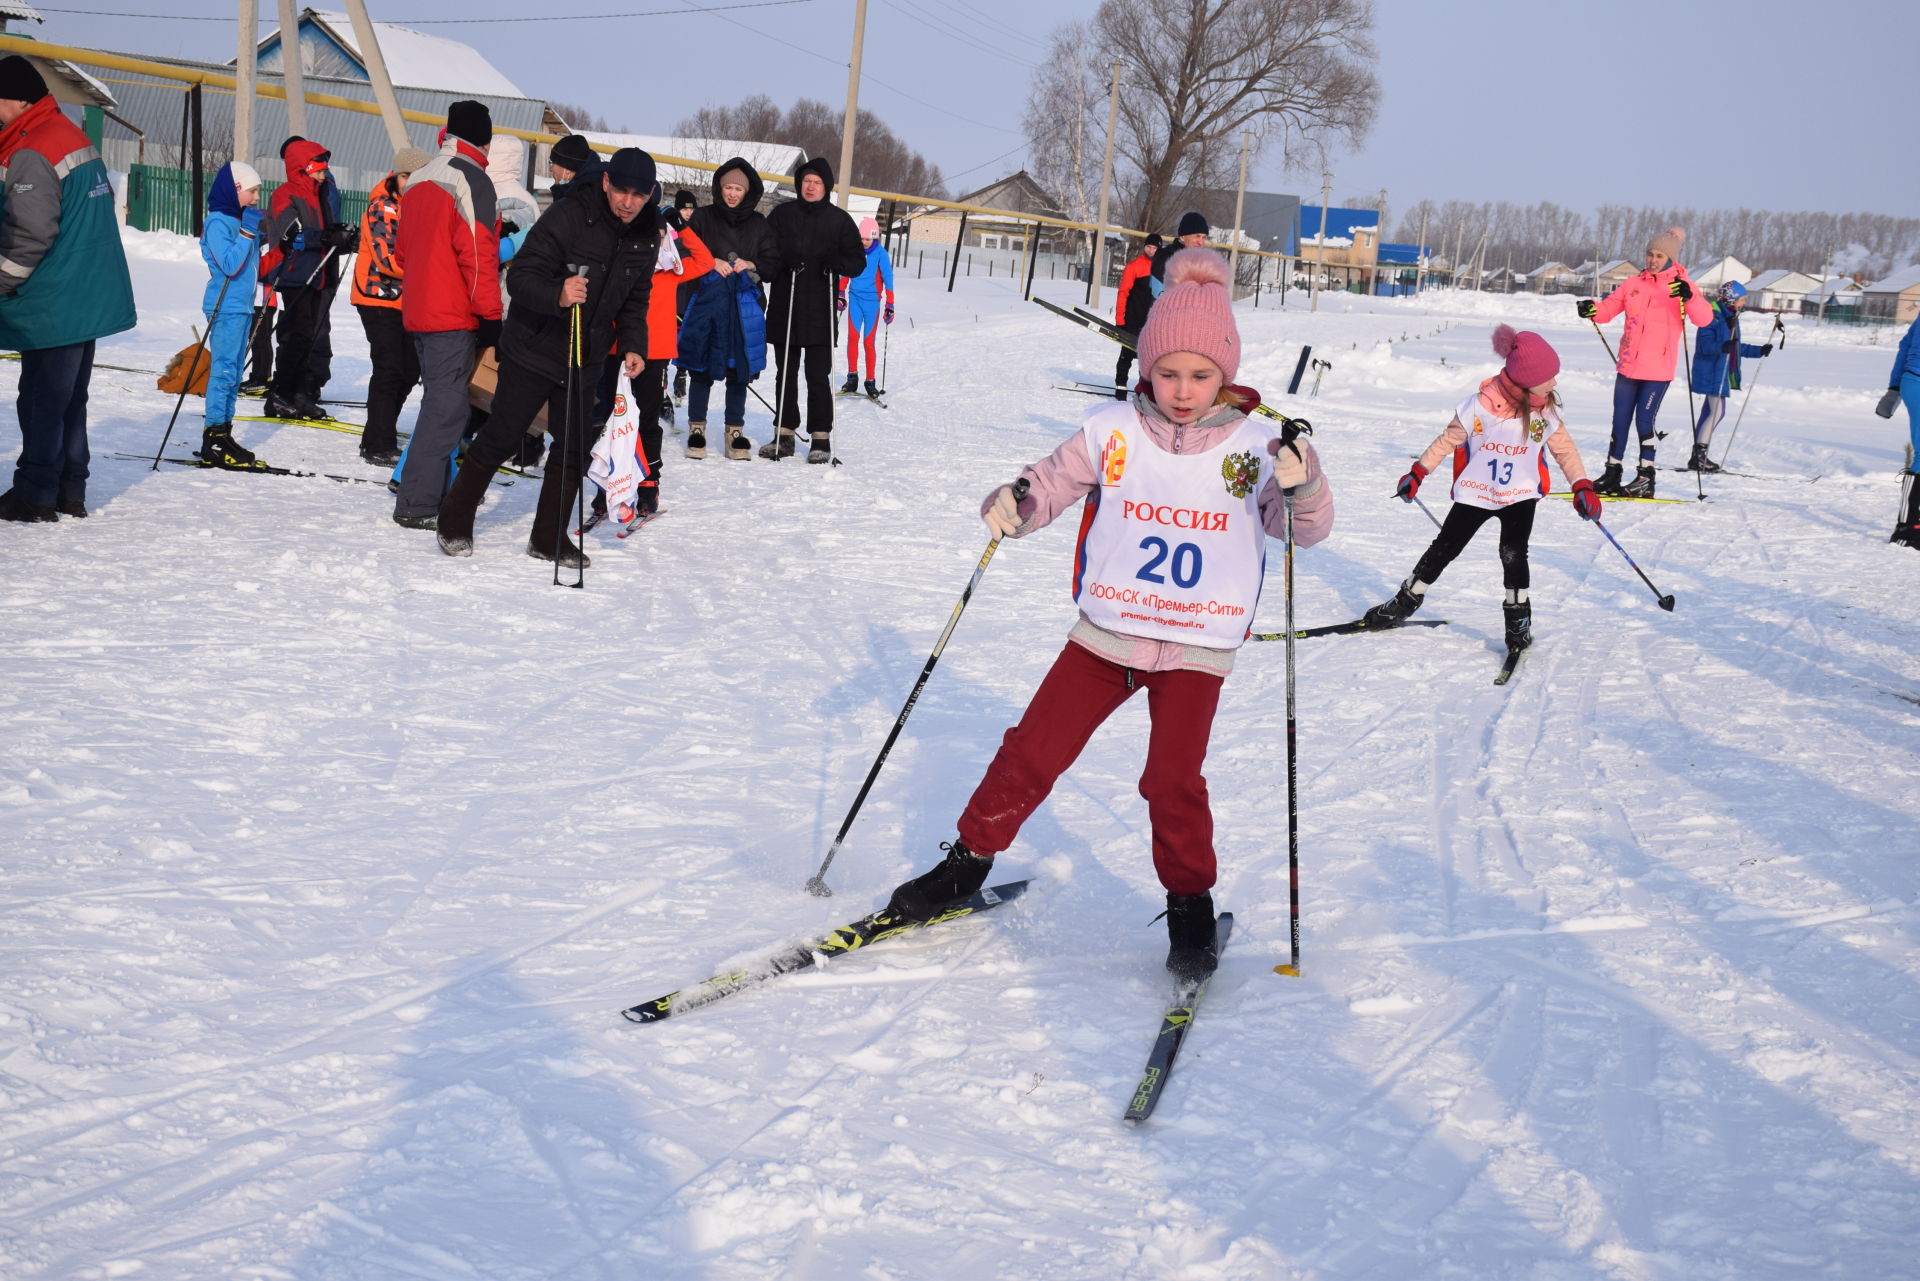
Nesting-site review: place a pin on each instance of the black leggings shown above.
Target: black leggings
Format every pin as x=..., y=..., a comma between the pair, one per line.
x=1463, y=522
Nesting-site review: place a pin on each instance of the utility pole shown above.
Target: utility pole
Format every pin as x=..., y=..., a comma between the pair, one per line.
x=1239, y=208
x=243, y=74
x=1098, y=272
x=853, y=100
x=1826, y=286
x=1379, y=240
x=376, y=64
x=1320, y=258
x=1420, y=271
x=293, y=69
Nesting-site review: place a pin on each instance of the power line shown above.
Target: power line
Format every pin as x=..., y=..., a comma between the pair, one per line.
x=908, y=9
x=984, y=163
x=444, y=22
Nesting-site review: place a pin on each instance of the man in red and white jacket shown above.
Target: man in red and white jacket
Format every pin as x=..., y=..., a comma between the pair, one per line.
x=449, y=249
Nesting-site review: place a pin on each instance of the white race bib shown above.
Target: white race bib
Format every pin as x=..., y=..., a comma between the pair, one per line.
x=1501, y=462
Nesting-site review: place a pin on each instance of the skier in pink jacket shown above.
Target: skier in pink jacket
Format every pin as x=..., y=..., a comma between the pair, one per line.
x=1182, y=489
x=1658, y=302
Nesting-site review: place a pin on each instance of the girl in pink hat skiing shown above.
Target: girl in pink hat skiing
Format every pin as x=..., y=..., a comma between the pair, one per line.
x=1181, y=491
x=1498, y=437
x=868, y=301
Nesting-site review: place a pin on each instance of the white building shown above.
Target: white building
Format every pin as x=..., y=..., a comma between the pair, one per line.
x=1779, y=290
x=1729, y=268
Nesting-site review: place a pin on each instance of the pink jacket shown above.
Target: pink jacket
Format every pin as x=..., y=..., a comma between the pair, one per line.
x=1651, y=339
x=1499, y=400
x=1067, y=475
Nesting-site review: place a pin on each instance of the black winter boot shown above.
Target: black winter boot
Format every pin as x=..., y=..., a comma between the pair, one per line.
x=1700, y=461
x=1609, y=482
x=1193, y=951
x=820, y=448
x=1641, y=486
x=14, y=507
x=780, y=447
x=558, y=489
x=955, y=877
x=1396, y=611
x=873, y=389
x=1519, y=619
x=457, y=508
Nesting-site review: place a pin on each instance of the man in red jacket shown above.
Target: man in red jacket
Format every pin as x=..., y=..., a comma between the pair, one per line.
x=1130, y=308
x=449, y=249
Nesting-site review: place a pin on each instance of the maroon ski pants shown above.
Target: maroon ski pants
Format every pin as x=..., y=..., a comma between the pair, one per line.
x=1080, y=692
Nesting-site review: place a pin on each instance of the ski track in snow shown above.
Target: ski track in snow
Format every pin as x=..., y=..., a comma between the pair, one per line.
x=331, y=861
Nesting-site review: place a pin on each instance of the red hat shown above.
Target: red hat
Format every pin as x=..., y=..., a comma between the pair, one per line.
x=1530, y=359
x=1193, y=314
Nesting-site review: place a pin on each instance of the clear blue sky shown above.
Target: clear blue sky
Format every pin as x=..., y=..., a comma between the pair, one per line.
x=1777, y=104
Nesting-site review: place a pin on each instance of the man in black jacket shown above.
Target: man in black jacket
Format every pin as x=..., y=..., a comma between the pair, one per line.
x=614, y=235
x=814, y=244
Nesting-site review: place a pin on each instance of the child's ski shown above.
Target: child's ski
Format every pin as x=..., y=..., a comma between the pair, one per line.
x=1508, y=664
x=872, y=928
x=1299, y=371
x=1173, y=1030
x=643, y=518
x=1344, y=629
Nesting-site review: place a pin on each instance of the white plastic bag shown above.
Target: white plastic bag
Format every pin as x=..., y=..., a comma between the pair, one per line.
x=617, y=465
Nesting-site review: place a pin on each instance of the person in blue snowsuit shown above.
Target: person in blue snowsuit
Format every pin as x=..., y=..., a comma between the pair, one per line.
x=1904, y=386
x=868, y=301
x=1717, y=350
x=230, y=246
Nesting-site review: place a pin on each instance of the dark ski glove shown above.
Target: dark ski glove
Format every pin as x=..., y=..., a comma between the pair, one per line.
x=1585, y=502
x=887, y=315
x=509, y=227
x=1410, y=484
x=1586, y=307
x=1728, y=347
x=1888, y=403
x=1766, y=349
x=1681, y=289
x=486, y=335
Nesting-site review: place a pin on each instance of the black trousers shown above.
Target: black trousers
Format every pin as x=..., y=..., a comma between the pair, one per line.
x=1463, y=522
x=517, y=401
x=819, y=366
x=300, y=312
x=396, y=372
x=1125, y=363
x=261, y=357
x=649, y=393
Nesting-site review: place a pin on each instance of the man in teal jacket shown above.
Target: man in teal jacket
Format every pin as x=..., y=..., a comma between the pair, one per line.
x=63, y=285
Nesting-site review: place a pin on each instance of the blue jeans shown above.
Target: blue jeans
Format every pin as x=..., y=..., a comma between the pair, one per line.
x=1910, y=394
x=1635, y=401
x=227, y=352
x=699, y=386
x=53, y=424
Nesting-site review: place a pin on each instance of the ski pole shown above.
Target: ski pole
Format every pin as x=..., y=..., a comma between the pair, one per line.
x=886, y=340
x=193, y=367
x=786, y=365
x=1664, y=602
x=818, y=886
x=1427, y=510
x=569, y=409
x=1293, y=770
x=1601, y=334
x=1699, y=485
x=1780, y=329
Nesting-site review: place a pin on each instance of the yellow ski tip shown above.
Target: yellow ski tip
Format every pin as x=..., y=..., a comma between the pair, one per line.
x=1294, y=970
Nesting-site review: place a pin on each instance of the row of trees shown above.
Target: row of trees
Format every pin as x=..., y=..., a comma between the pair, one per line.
x=1198, y=77
x=1872, y=245
x=880, y=159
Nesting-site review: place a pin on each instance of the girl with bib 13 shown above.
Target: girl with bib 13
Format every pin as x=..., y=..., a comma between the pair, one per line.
x=1180, y=492
x=1497, y=437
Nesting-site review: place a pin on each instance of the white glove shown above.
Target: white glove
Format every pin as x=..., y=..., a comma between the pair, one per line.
x=1289, y=468
x=1003, y=514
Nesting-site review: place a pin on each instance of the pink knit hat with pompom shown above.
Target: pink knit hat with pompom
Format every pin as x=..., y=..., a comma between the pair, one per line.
x=1193, y=314
x=1668, y=242
x=1530, y=359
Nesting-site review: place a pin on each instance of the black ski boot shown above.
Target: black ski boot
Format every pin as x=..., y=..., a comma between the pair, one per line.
x=873, y=389
x=1700, y=461
x=1193, y=952
x=955, y=877
x=1641, y=486
x=289, y=408
x=1609, y=482
x=679, y=386
x=218, y=447
x=1396, y=611
x=1519, y=618
x=850, y=386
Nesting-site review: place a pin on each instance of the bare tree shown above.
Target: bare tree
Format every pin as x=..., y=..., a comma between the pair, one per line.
x=881, y=161
x=1201, y=72
x=1066, y=122
x=581, y=118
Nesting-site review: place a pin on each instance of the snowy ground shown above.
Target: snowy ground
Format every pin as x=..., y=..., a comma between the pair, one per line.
x=330, y=861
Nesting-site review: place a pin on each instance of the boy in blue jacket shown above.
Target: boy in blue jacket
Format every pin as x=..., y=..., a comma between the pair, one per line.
x=230, y=247
x=1904, y=385
x=1716, y=368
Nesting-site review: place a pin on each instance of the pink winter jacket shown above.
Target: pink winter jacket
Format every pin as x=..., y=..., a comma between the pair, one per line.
x=1498, y=399
x=1067, y=475
x=1650, y=342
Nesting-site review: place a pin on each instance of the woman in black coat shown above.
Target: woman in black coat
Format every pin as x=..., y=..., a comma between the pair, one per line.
x=814, y=244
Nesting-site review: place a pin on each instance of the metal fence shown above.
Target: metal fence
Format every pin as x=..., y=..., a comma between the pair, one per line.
x=160, y=199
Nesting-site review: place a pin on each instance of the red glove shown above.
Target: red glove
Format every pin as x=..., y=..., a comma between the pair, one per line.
x=1585, y=501
x=1410, y=484
x=839, y=302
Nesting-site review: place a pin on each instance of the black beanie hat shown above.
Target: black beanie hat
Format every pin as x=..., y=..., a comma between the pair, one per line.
x=630, y=168
x=470, y=121
x=684, y=199
x=20, y=80
x=572, y=152
x=1192, y=223
x=1153, y=240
